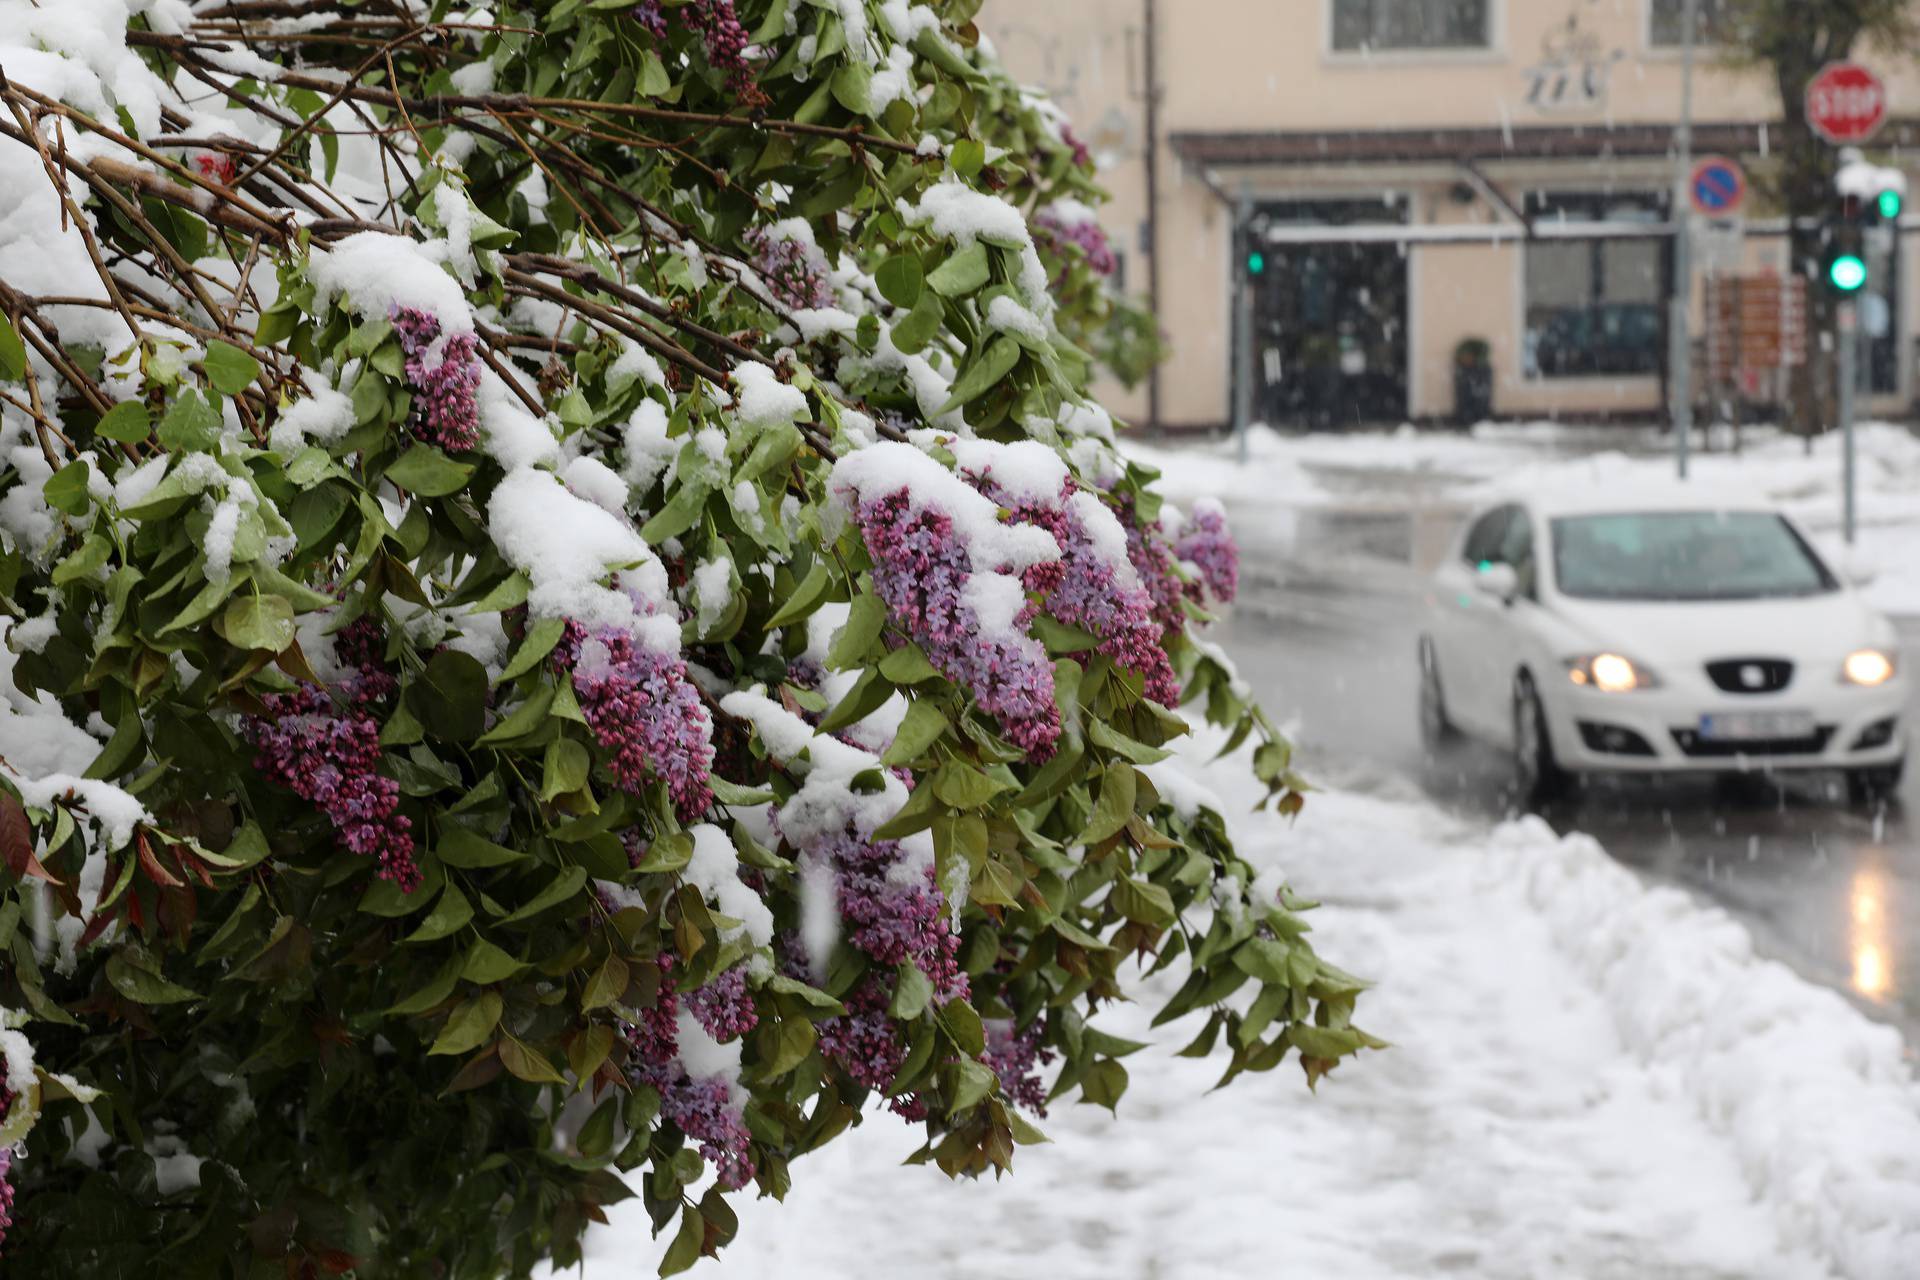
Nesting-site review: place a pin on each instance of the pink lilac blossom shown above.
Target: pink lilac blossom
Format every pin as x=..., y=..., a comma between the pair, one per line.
x=790, y=270
x=892, y=922
x=1081, y=156
x=328, y=755
x=1084, y=589
x=726, y=42
x=1015, y=1057
x=724, y=1006
x=864, y=1043
x=921, y=570
x=643, y=710
x=647, y=14
x=1088, y=236
x=701, y=1108
x=6, y=1194
x=1153, y=561
x=1206, y=543
x=444, y=373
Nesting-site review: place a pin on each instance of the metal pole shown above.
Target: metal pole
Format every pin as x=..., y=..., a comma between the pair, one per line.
x=1680, y=362
x=1242, y=328
x=1846, y=320
x=1151, y=36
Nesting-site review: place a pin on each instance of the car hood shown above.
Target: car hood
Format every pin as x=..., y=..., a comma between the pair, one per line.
x=1804, y=628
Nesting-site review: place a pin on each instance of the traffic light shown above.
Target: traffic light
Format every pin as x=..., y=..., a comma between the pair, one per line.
x=1846, y=271
x=1256, y=262
x=1889, y=203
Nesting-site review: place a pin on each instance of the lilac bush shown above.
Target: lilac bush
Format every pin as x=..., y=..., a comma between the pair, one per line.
x=1206, y=543
x=644, y=711
x=444, y=373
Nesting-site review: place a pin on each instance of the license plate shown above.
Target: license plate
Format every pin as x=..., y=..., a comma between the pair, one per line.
x=1757, y=726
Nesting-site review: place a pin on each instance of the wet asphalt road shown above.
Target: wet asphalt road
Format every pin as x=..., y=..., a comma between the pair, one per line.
x=1325, y=632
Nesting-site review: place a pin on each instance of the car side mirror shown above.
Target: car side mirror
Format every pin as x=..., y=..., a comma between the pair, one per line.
x=1498, y=581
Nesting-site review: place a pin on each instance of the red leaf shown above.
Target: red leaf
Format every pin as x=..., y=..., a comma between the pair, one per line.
x=16, y=840
x=151, y=865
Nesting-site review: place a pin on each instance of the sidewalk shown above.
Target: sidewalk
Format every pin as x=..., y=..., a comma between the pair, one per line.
x=1589, y=1079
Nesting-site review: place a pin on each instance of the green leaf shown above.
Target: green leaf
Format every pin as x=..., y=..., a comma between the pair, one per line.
x=733, y=793
x=923, y=725
x=912, y=992
x=1143, y=901
x=986, y=371
x=687, y=1243
x=961, y=273
x=972, y=1081
x=259, y=622
x=965, y=787
x=564, y=886
x=1115, y=805
x=427, y=471
x=192, y=425
x=142, y=985
x=470, y=1023
x=866, y=618
x=908, y=665
x=1119, y=743
x=523, y=719
x=853, y=87
x=128, y=422
x=1103, y=1084
x=13, y=352
x=608, y=984
x=913, y=333
x=869, y=693
x=385, y=898
x=527, y=1063
x=436, y=989
x=678, y=516
x=567, y=767
x=654, y=80
x=1263, y=959
x=460, y=847
x=667, y=853
x=793, y=1039
x=230, y=369
x=805, y=598
x=969, y=155
x=66, y=489
x=487, y=963
x=900, y=279
x=448, y=916
x=450, y=696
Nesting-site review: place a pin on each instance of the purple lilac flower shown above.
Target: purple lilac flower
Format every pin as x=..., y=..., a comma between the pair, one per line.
x=724, y=1006
x=1088, y=236
x=793, y=273
x=647, y=14
x=894, y=922
x=444, y=373
x=644, y=710
x=1081, y=156
x=1206, y=543
x=726, y=42
x=1152, y=559
x=1084, y=589
x=863, y=1042
x=1015, y=1057
x=921, y=570
x=6, y=1195
x=329, y=755
x=703, y=1108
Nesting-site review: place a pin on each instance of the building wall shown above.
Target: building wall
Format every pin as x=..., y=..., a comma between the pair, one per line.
x=1258, y=65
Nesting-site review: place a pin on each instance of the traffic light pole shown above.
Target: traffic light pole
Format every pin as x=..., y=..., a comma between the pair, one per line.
x=1242, y=328
x=1680, y=361
x=1847, y=321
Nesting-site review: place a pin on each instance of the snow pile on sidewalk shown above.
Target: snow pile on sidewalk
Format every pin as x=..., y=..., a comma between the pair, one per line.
x=1588, y=1078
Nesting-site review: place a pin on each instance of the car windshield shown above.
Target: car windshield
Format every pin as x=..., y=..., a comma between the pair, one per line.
x=1684, y=555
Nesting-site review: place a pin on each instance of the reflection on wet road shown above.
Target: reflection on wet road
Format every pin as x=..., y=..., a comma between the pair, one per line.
x=1326, y=633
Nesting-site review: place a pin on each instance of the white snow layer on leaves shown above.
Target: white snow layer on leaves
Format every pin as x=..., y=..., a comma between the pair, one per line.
x=648, y=451
x=566, y=546
x=377, y=272
x=713, y=587
x=1008, y=316
x=45, y=755
x=595, y=481
x=636, y=361
x=704, y=1057
x=826, y=801
x=853, y=17
x=16, y=1055
x=763, y=399
x=714, y=869
x=1106, y=535
x=956, y=212
x=1028, y=470
x=323, y=417
x=514, y=437
x=890, y=466
x=906, y=20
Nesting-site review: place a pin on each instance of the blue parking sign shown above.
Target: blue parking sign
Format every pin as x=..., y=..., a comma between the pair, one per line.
x=1718, y=186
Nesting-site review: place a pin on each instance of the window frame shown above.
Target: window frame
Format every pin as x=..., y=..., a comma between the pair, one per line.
x=1493, y=51
x=1654, y=49
x=1540, y=204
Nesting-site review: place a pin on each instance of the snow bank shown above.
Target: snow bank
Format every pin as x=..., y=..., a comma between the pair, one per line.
x=1817, y=1102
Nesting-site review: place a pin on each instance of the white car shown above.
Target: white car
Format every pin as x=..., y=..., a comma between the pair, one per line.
x=1588, y=634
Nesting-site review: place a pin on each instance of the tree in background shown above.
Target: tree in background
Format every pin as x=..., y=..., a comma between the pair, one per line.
x=1790, y=40
x=572, y=631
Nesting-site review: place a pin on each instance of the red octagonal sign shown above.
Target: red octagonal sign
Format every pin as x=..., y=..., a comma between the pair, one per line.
x=1846, y=103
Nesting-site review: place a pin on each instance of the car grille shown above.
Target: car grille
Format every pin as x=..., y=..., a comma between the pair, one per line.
x=1750, y=675
x=1694, y=745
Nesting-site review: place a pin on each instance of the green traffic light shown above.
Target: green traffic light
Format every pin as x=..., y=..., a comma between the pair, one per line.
x=1847, y=272
x=1256, y=263
x=1890, y=204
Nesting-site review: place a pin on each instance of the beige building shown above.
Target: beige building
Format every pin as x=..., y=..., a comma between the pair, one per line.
x=1419, y=173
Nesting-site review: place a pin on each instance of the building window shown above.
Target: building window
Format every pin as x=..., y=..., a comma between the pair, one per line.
x=1594, y=304
x=1666, y=28
x=1364, y=25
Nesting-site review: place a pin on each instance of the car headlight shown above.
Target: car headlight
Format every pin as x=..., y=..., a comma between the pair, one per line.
x=1867, y=667
x=1610, y=673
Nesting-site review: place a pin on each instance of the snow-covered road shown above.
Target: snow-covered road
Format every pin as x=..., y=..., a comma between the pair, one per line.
x=1588, y=1079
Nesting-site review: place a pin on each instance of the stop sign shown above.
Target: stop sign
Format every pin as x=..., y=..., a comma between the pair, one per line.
x=1846, y=103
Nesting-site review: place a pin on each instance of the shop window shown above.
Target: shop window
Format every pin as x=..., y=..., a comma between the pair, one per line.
x=1594, y=303
x=1666, y=26
x=1365, y=25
